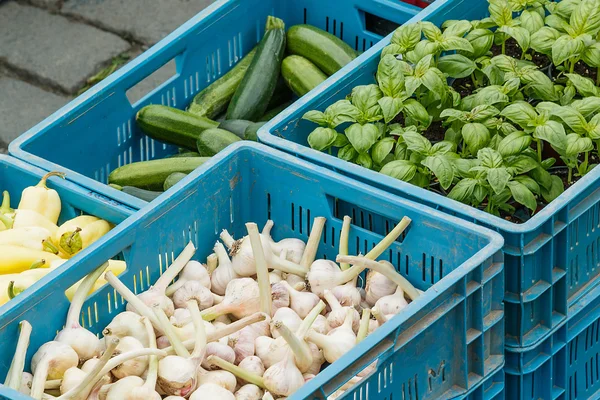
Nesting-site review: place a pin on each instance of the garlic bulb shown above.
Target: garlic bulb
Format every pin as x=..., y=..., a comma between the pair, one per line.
x=193, y=290
x=393, y=303
x=301, y=302
x=181, y=317
x=321, y=325
x=348, y=295
x=280, y=297
x=127, y=323
x=51, y=361
x=275, y=277
x=242, y=298
x=293, y=280
x=224, y=273
x=337, y=316
x=193, y=271
x=218, y=349
x=318, y=359
x=242, y=343
x=225, y=379
x=136, y=366
x=249, y=392
x=378, y=285
x=72, y=377
x=338, y=341
x=283, y=378
x=252, y=364
x=212, y=391
x=288, y=248
x=287, y=316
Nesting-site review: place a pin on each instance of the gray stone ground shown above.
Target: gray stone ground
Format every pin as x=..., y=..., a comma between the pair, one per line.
x=50, y=48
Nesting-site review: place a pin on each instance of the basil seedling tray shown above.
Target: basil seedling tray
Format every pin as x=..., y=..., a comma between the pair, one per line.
x=551, y=260
x=444, y=345
x=96, y=133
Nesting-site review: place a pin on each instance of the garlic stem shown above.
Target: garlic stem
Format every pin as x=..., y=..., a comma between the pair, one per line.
x=121, y=358
x=224, y=331
x=262, y=272
x=15, y=372
x=211, y=263
x=267, y=228
x=132, y=299
x=53, y=384
x=227, y=238
x=175, y=287
x=307, y=322
x=200, y=339
x=170, y=333
x=331, y=300
x=344, y=234
x=363, y=330
x=82, y=390
x=237, y=371
x=302, y=353
x=81, y=294
x=379, y=316
x=288, y=266
x=175, y=268
x=152, y=375
x=392, y=275
x=312, y=245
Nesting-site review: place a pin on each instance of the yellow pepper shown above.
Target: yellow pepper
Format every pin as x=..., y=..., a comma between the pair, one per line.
x=32, y=237
x=41, y=199
x=29, y=218
x=14, y=259
x=79, y=233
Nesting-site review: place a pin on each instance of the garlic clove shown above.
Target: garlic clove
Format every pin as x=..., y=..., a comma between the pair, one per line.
x=211, y=391
x=220, y=350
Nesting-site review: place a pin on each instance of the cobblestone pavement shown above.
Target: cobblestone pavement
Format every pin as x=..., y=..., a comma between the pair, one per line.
x=49, y=49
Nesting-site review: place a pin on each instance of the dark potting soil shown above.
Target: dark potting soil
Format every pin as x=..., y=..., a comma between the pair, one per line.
x=541, y=60
x=512, y=49
x=464, y=86
x=436, y=132
x=586, y=71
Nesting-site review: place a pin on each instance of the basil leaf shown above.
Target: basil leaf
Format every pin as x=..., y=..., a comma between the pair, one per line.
x=340, y=141
x=594, y=127
x=381, y=149
x=568, y=95
x=347, y=153
x=365, y=98
x=463, y=167
x=412, y=83
x=500, y=12
x=406, y=37
x=451, y=114
x=430, y=31
x=415, y=111
x=523, y=195
x=548, y=162
x=531, y=21
x=457, y=44
x=518, y=165
x=586, y=18
x=481, y=40
x=483, y=112
x=521, y=113
x=577, y=144
x=457, y=28
x=542, y=177
x=391, y=49
x=441, y=168
x=543, y=39
x=571, y=117
x=400, y=169
x=432, y=81
x=421, y=50
x=476, y=136
x=529, y=183
x=498, y=178
x=565, y=8
x=505, y=63
x=322, y=138
x=420, y=180
x=401, y=152
x=591, y=55
x=521, y=35
x=417, y=143
x=489, y=158
x=443, y=147
x=587, y=107
x=456, y=66
x=556, y=189
x=585, y=86
x=341, y=111
x=317, y=117
x=390, y=76
x=463, y=190
x=364, y=160
x=566, y=47
x=514, y=143
x=556, y=22
x=390, y=107
x=423, y=65
x=491, y=95
x=494, y=74
x=362, y=137
x=552, y=132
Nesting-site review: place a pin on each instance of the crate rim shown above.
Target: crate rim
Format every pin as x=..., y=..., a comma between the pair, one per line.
x=119, y=237
x=271, y=139
x=97, y=93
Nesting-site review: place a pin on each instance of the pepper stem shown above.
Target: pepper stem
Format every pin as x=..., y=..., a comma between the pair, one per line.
x=312, y=245
x=5, y=208
x=42, y=182
x=237, y=371
x=8, y=222
x=49, y=247
x=38, y=264
x=262, y=272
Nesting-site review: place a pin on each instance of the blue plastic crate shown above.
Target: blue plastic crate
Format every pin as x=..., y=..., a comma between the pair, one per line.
x=551, y=260
x=491, y=389
x=16, y=175
x=452, y=336
x=564, y=366
x=97, y=131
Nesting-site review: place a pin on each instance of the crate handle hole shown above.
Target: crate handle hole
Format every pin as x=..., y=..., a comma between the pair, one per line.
x=155, y=80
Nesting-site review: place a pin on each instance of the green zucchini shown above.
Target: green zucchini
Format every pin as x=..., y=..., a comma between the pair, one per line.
x=252, y=131
x=323, y=49
x=212, y=141
x=301, y=75
x=214, y=99
x=252, y=96
x=269, y=115
x=151, y=175
x=171, y=125
x=186, y=154
x=237, y=126
x=146, y=195
x=173, y=179
x=281, y=95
